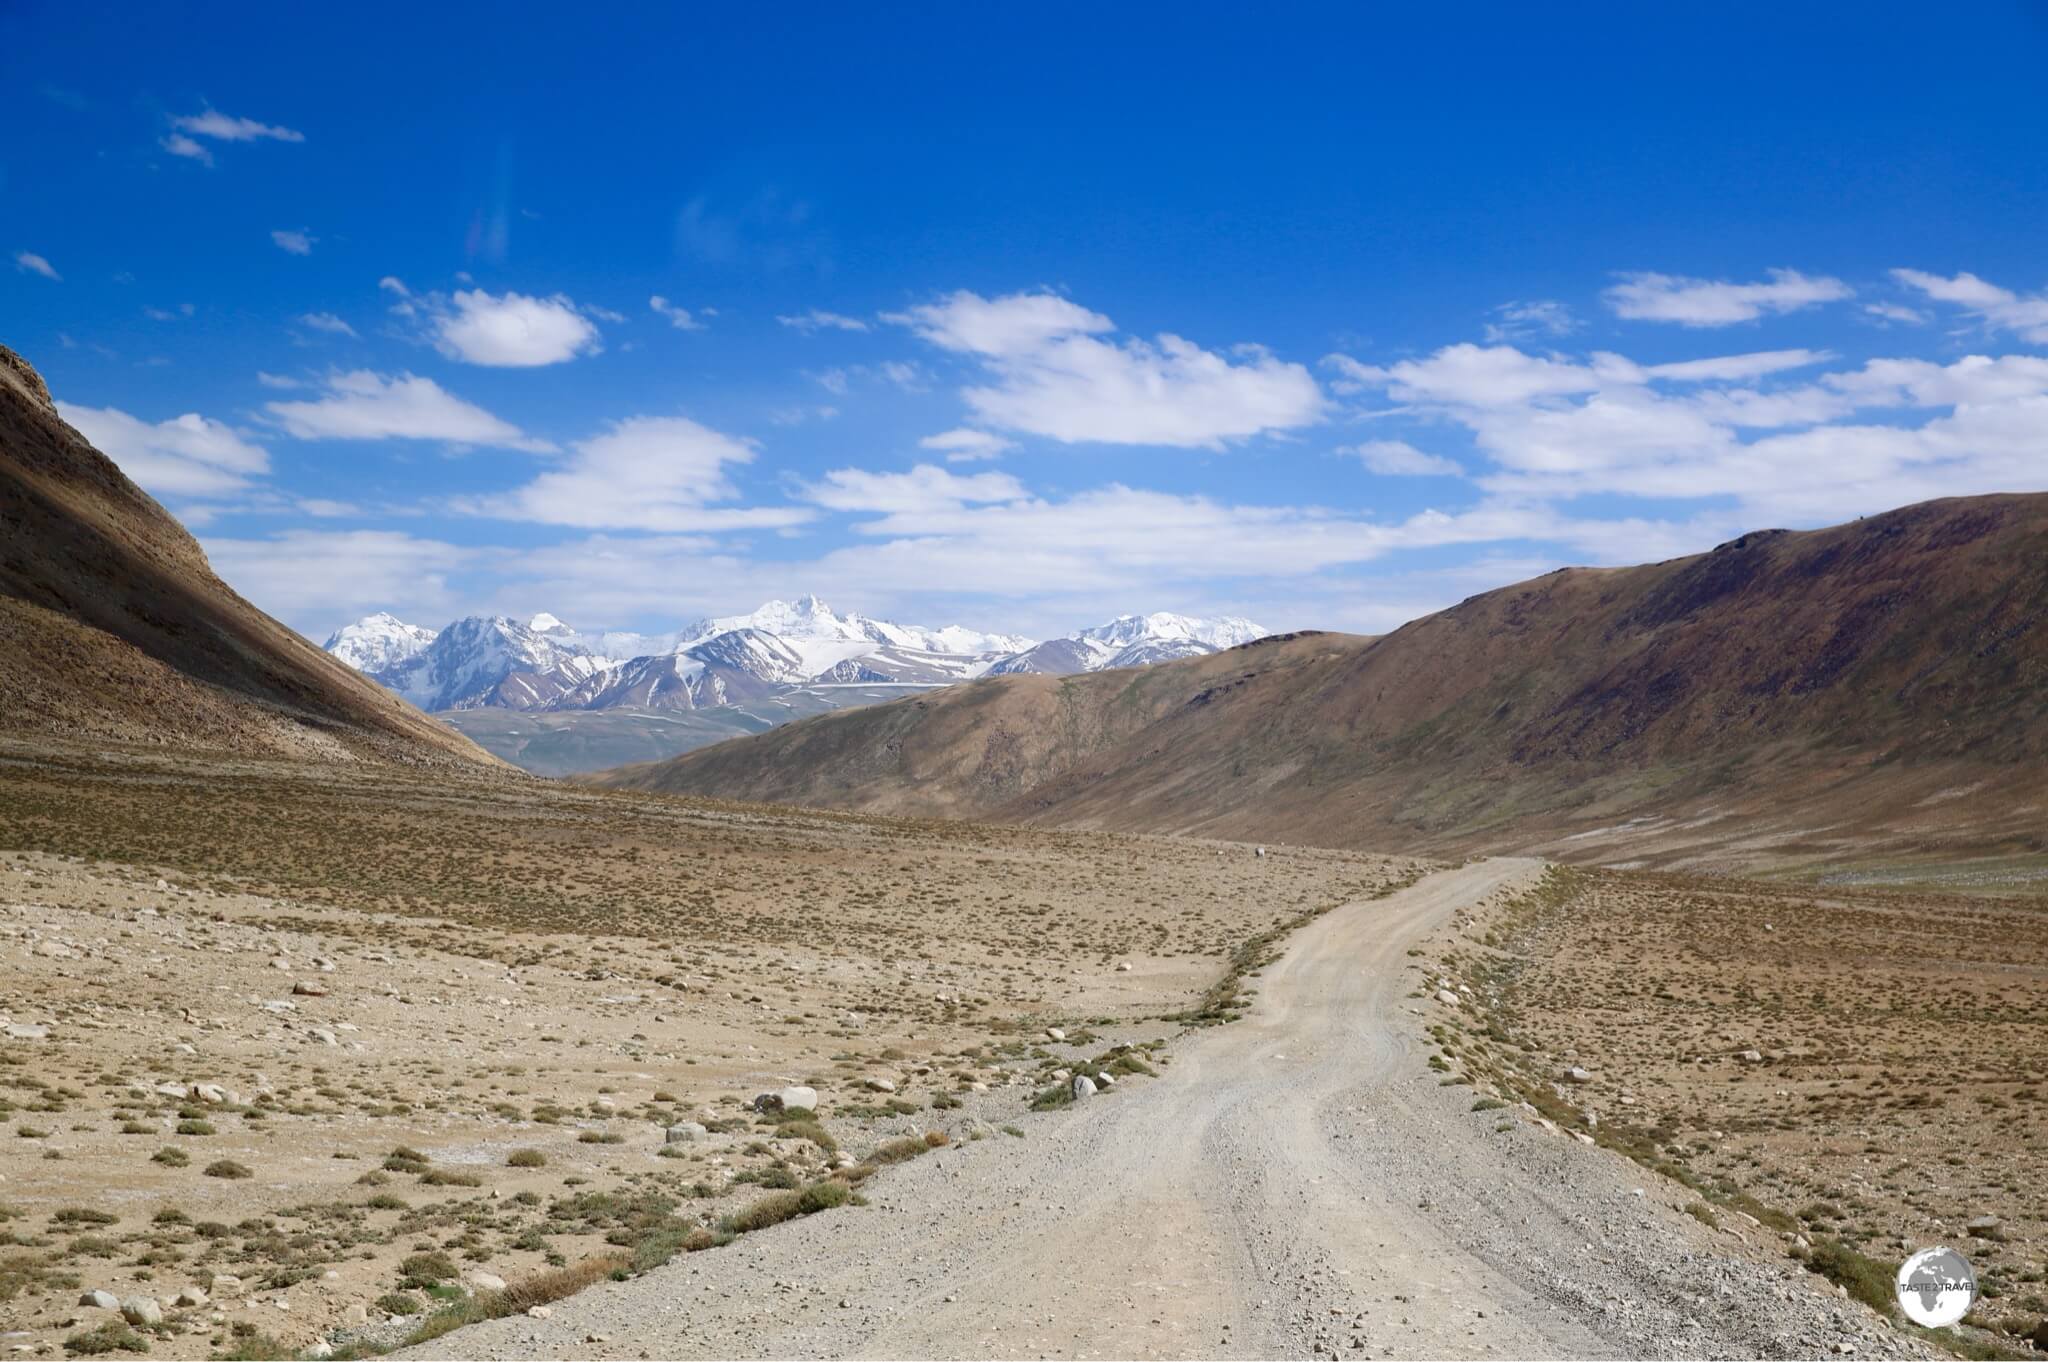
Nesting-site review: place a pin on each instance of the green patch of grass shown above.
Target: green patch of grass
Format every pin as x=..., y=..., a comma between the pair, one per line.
x=421, y=1270
x=170, y=1156
x=1864, y=1277
x=400, y=1303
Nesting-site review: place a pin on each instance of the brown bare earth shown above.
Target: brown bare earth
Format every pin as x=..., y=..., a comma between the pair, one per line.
x=1853, y=1074
x=340, y=1046
x=1874, y=690
x=114, y=628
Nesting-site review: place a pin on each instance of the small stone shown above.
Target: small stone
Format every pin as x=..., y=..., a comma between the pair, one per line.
x=486, y=1281
x=1575, y=1074
x=190, y=1297
x=540, y=1312
x=880, y=1085
x=1054, y=1033
x=1751, y=1056
x=310, y=988
x=1444, y=995
x=142, y=1310
x=1084, y=1087
x=682, y=1132
x=101, y=1300
x=799, y=1099
x=1982, y=1226
x=24, y=1031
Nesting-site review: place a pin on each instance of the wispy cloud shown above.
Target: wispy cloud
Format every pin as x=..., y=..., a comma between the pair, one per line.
x=1057, y=371
x=30, y=263
x=188, y=455
x=1711, y=302
x=328, y=322
x=817, y=320
x=362, y=405
x=678, y=317
x=294, y=241
x=1999, y=309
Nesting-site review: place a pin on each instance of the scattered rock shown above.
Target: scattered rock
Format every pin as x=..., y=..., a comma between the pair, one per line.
x=1054, y=1033
x=1575, y=1074
x=682, y=1132
x=101, y=1300
x=485, y=1281
x=1084, y=1086
x=1751, y=1056
x=1982, y=1227
x=142, y=1310
x=190, y=1297
x=540, y=1312
x=1444, y=995
x=880, y=1085
x=799, y=1099
x=24, y=1031
x=310, y=988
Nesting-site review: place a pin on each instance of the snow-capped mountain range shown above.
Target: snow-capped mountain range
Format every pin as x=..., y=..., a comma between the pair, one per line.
x=543, y=664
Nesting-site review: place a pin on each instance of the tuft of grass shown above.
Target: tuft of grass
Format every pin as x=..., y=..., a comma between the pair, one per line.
x=909, y=1147
x=400, y=1303
x=526, y=1158
x=112, y=1337
x=170, y=1156
x=1865, y=1277
x=422, y=1270
x=228, y=1168
x=1700, y=1211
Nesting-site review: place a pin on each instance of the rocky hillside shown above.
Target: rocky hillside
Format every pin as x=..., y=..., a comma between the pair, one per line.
x=1878, y=688
x=114, y=629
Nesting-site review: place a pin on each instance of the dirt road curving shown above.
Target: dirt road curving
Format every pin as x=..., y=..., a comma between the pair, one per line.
x=1295, y=1183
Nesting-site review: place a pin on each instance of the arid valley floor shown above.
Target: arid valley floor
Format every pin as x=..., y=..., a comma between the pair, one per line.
x=348, y=1058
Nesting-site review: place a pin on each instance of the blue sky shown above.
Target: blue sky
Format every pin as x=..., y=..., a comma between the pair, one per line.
x=1327, y=316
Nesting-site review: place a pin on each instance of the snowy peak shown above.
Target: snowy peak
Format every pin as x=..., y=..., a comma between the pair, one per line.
x=543, y=663
x=1125, y=630
x=378, y=642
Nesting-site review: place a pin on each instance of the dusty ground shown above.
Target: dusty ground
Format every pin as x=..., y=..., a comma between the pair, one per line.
x=1299, y=1183
x=371, y=967
x=1862, y=1070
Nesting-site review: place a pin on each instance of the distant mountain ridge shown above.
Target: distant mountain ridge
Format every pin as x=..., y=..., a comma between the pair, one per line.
x=544, y=665
x=1790, y=698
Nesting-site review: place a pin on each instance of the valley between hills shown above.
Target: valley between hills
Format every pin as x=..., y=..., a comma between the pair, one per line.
x=1629, y=962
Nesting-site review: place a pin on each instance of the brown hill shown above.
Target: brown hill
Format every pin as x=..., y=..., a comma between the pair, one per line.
x=1877, y=689
x=113, y=629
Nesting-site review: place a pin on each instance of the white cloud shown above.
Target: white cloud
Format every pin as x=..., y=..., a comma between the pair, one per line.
x=362, y=405
x=318, y=578
x=819, y=320
x=1708, y=302
x=1525, y=320
x=391, y=283
x=212, y=123
x=1055, y=374
x=678, y=317
x=1398, y=458
x=1895, y=312
x=926, y=487
x=1999, y=309
x=30, y=263
x=646, y=473
x=328, y=322
x=294, y=241
x=1557, y=429
x=269, y=380
x=187, y=455
x=178, y=144
x=512, y=331
x=963, y=445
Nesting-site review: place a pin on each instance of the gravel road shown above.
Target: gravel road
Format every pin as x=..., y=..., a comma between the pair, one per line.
x=1297, y=1182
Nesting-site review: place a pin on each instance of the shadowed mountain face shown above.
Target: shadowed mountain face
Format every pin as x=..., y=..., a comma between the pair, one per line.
x=114, y=629
x=1874, y=689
